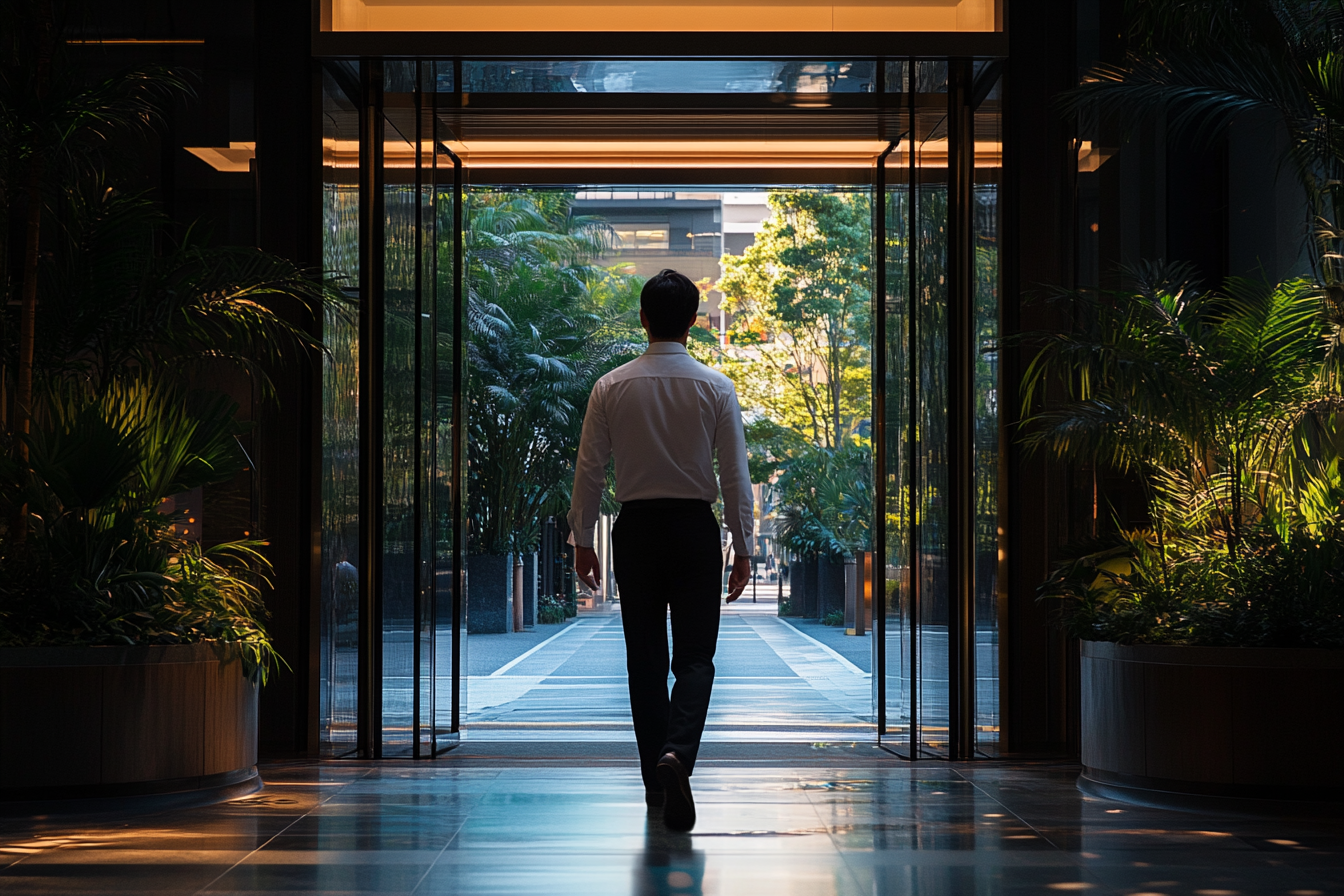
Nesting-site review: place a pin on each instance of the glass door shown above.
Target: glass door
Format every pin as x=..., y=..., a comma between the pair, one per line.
x=391, y=450
x=938, y=308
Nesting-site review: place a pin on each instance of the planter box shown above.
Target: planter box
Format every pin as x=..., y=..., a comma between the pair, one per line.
x=830, y=586
x=489, y=594
x=80, y=723
x=1193, y=727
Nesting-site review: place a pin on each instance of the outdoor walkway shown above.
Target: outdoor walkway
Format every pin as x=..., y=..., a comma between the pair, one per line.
x=772, y=682
x=580, y=827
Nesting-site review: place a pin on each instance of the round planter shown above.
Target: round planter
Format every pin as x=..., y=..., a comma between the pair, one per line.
x=1203, y=727
x=177, y=722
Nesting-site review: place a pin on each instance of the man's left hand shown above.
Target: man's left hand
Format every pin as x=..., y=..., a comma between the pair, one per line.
x=586, y=567
x=738, y=578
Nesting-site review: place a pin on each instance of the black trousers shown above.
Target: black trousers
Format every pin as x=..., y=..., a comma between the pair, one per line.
x=666, y=554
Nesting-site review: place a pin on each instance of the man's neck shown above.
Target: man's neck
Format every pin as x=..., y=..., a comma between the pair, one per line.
x=680, y=340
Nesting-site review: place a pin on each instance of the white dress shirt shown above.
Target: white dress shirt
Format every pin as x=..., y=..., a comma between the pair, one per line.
x=665, y=416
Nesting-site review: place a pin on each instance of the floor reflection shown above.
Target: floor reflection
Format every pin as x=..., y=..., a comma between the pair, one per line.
x=670, y=864
x=556, y=826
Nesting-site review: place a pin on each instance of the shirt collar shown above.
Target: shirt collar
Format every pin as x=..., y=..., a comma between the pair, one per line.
x=666, y=348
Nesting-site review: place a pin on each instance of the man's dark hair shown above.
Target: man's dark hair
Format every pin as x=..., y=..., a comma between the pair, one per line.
x=669, y=301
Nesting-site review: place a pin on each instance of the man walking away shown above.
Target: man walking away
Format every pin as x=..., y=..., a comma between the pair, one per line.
x=665, y=417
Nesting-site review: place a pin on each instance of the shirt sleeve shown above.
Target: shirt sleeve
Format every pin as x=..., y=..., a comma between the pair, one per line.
x=590, y=471
x=730, y=446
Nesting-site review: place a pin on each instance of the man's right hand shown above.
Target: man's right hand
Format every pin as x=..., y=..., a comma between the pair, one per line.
x=585, y=565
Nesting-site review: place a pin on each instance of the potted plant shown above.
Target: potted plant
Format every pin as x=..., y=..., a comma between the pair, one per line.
x=131, y=648
x=1211, y=634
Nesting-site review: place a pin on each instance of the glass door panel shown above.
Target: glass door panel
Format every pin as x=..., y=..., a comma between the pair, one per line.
x=401, y=418
x=338, y=644
x=899, y=628
x=930, y=407
x=988, y=595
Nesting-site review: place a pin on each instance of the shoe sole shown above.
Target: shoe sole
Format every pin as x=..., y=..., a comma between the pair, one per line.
x=679, y=806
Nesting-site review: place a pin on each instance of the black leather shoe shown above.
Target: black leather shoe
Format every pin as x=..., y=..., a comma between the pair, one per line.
x=678, y=806
x=653, y=798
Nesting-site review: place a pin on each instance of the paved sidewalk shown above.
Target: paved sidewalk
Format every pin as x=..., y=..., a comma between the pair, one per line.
x=772, y=683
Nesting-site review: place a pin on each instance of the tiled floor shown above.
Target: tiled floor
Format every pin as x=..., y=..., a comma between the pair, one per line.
x=478, y=826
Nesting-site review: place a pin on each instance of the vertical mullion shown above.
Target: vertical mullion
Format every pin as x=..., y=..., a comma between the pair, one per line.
x=912, y=411
x=879, y=414
x=433, y=471
x=459, y=410
x=961, y=421
x=417, y=440
x=369, y=727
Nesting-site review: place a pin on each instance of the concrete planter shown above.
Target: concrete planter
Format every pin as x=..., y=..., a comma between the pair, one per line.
x=530, y=578
x=1200, y=727
x=830, y=585
x=83, y=723
x=489, y=594
x=803, y=581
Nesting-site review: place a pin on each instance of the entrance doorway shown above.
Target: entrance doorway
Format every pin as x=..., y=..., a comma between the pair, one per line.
x=408, y=145
x=553, y=274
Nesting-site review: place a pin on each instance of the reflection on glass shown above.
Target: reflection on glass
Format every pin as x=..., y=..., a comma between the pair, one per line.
x=441, y=410
x=668, y=76
x=931, y=468
x=898, y=76
x=986, y=235
x=899, y=625
x=930, y=414
x=400, y=321
x=338, y=625
x=641, y=236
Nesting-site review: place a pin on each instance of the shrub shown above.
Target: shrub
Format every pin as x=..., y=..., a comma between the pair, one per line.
x=835, y=617
x=551, y=610
x=1227, y=404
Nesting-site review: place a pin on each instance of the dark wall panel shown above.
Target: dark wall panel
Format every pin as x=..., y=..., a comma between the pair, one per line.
x=287, y=438
x=1039, y=663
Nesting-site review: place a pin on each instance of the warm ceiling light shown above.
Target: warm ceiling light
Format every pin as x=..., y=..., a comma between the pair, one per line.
x=624, y=154
x=142, y=41
x=234, y=157
x=667, y=153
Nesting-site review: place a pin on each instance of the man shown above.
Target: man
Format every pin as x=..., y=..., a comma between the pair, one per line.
x=665, y=417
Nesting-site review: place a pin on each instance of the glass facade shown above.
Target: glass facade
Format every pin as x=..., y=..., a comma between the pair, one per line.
x=677, y=76
x=393, y=635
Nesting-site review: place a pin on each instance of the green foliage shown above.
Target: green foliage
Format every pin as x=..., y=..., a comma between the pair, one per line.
x=826, y=502
x=551, y=610
x=800, y=359
x=1227, y=404
x=544, y=322
x=101, y=564
x=1198, y=65
x=800, y=295
x=834, y=618
x=130, y=311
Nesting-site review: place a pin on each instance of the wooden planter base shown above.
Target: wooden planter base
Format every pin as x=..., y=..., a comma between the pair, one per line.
x=1255, y=729
x=177, y=723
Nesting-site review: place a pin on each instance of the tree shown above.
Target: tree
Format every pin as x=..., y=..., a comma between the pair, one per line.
x=800, y=295
x=543, y=324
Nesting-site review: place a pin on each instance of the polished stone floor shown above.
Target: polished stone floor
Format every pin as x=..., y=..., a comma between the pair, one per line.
x=771, y=822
